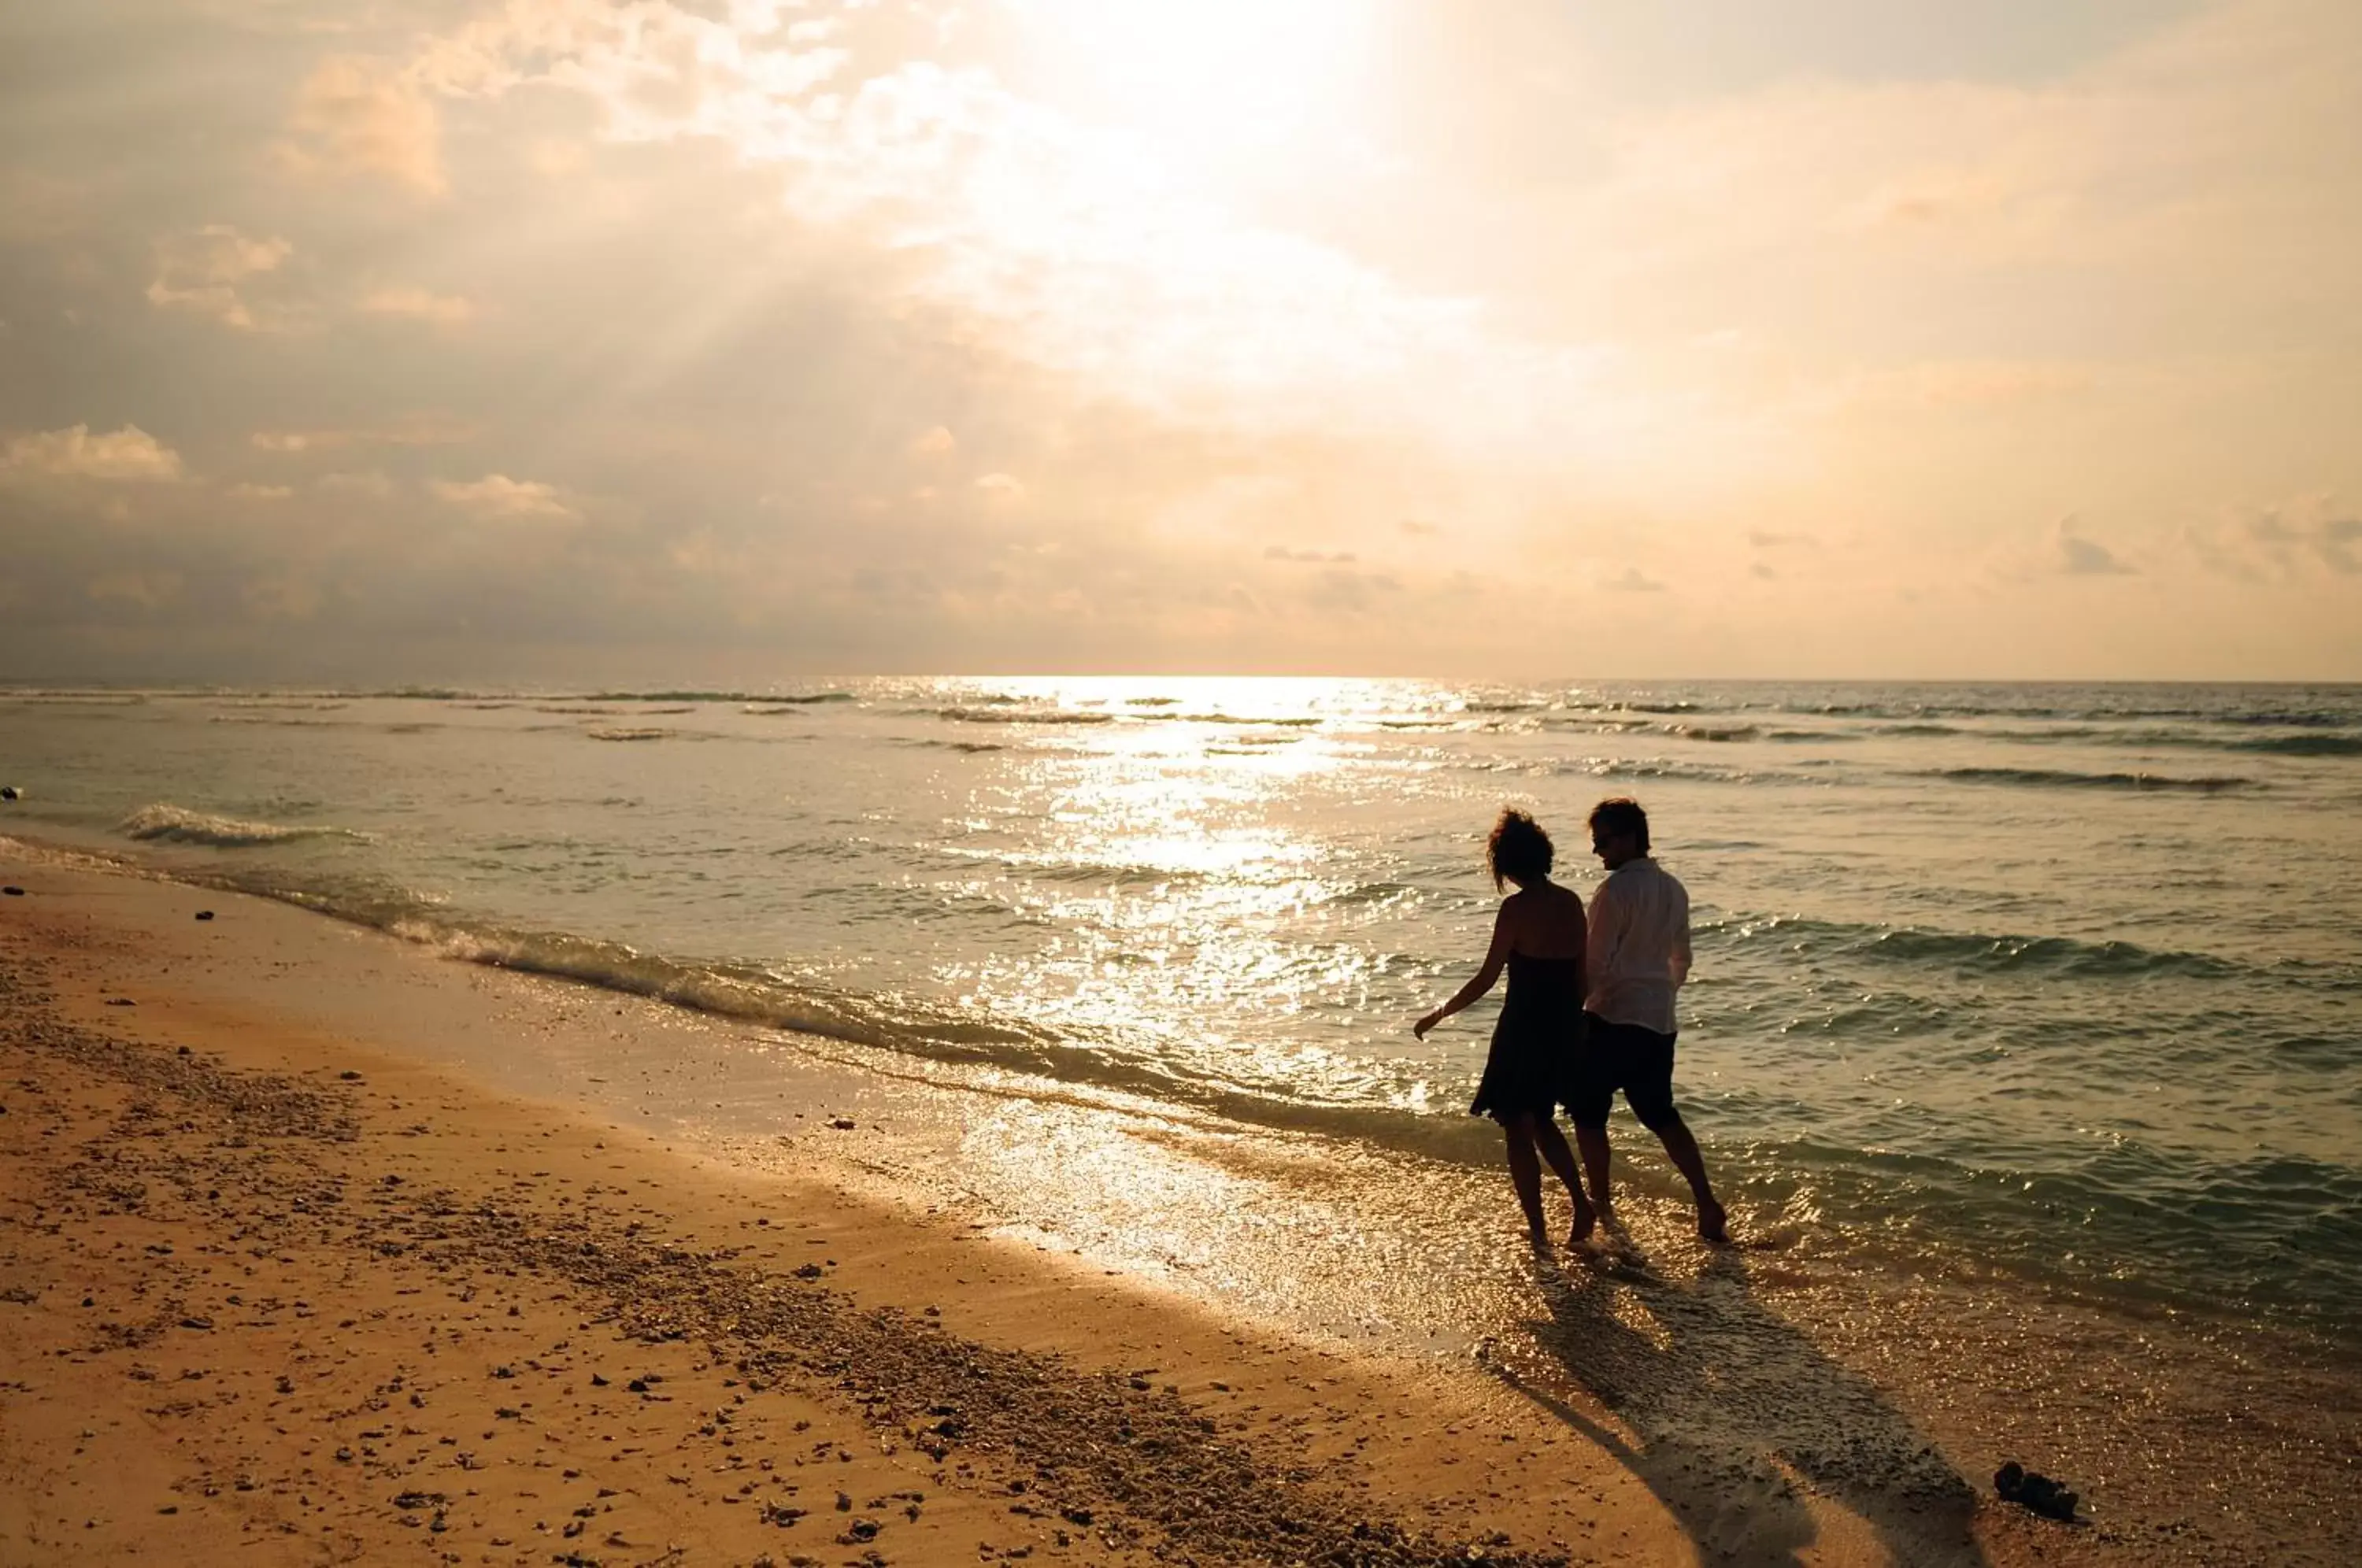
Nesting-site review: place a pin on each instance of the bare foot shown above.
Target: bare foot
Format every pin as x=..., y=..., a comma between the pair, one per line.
x=1586, y=1220
x=1714, y=1224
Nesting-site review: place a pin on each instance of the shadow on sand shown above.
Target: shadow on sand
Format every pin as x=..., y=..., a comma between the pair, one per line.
x=1729, y=1407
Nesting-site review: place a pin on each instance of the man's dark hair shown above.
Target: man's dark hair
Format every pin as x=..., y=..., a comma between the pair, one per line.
x=1622, y=814
x=1519, y=850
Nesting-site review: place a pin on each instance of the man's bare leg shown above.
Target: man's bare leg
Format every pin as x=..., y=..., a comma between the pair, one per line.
x=1713, y=1223
x=1561, y=1160
x=1593, y=1142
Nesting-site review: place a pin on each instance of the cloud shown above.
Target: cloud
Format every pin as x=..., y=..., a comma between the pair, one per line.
x=2339, y=537
x=497, y=495
x=417, y=305
x=1764, y=539
x=2079, y=557
x=129, y=454
x=359, y=118
x=1631, y=581
x=1283, y=553
x=281, y=598
x=1336, y=589
x=150, y=590
x=2285, y=542
x=938, y=442
x=200, y=272
x=1416, y=529
x=366, y=484
x=250, y=491
x=411, y=430
x=1001, y=490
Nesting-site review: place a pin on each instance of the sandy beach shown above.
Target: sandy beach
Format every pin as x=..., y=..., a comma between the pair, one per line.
x=297, y=1290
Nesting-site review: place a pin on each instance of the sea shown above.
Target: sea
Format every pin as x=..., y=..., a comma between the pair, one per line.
x=2053, y=983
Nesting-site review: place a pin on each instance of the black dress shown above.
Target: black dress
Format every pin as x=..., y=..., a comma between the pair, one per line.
x=1536, y=1041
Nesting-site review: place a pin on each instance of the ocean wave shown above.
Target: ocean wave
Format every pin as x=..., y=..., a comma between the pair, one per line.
x=699, y=696
x=163, y=822
x=2056, y=779
x=643, y=733
x=32, y=698
x=1023, y=716
x=295, y=703
x=773, y=707
x=1987, y=953
x=1596, y=722
x=1714, y=731
x=1656, y=767
x=2302, y=745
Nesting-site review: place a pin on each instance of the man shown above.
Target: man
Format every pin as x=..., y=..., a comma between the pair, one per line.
x=1638, y=954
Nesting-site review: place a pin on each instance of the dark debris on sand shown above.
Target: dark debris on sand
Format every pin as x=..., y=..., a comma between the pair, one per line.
x=1102, y=1451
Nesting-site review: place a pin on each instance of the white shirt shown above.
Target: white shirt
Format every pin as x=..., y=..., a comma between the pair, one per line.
x=1637, y=951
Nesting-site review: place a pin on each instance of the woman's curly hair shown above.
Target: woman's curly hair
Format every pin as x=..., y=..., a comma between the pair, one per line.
x=1519, y=850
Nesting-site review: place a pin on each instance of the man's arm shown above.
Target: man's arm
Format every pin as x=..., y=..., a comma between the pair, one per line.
x=1603, y=936
x=1678, y=961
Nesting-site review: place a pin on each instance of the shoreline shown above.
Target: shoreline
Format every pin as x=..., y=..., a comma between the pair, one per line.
x=711, y=1000
x=1311, y=1432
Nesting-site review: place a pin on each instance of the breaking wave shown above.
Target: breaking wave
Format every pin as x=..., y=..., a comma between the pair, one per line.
x=163, y=822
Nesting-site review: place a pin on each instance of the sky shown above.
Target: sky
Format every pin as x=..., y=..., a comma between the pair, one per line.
x=736, y=341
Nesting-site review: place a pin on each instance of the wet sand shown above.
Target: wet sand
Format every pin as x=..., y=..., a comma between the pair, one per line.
x=282, y=1282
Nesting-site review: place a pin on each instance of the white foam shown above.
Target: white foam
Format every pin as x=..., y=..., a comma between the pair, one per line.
x=165, y=822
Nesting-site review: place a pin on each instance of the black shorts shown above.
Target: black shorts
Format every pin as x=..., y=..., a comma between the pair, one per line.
x=1622, y=1057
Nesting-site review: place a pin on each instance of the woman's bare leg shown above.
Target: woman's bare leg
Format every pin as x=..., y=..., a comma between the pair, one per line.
x=1525, y=1172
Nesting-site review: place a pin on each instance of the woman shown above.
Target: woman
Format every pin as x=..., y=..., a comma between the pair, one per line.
x=1539, y=937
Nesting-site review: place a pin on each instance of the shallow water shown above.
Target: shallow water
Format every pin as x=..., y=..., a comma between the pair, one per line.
x=2057, y=982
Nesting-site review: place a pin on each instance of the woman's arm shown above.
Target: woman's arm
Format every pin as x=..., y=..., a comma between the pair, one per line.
x=1493, y=959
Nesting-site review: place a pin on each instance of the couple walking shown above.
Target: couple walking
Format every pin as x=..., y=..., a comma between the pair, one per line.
x=1590, y=1011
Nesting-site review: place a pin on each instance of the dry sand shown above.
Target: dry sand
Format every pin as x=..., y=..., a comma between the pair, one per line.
x=293, y=1295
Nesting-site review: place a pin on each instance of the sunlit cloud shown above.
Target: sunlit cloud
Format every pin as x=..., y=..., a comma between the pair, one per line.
x=361, y=118
x=203, y=272
x=417, y=305
x=129, y=454
x=499, y=496
x=1299, y=335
